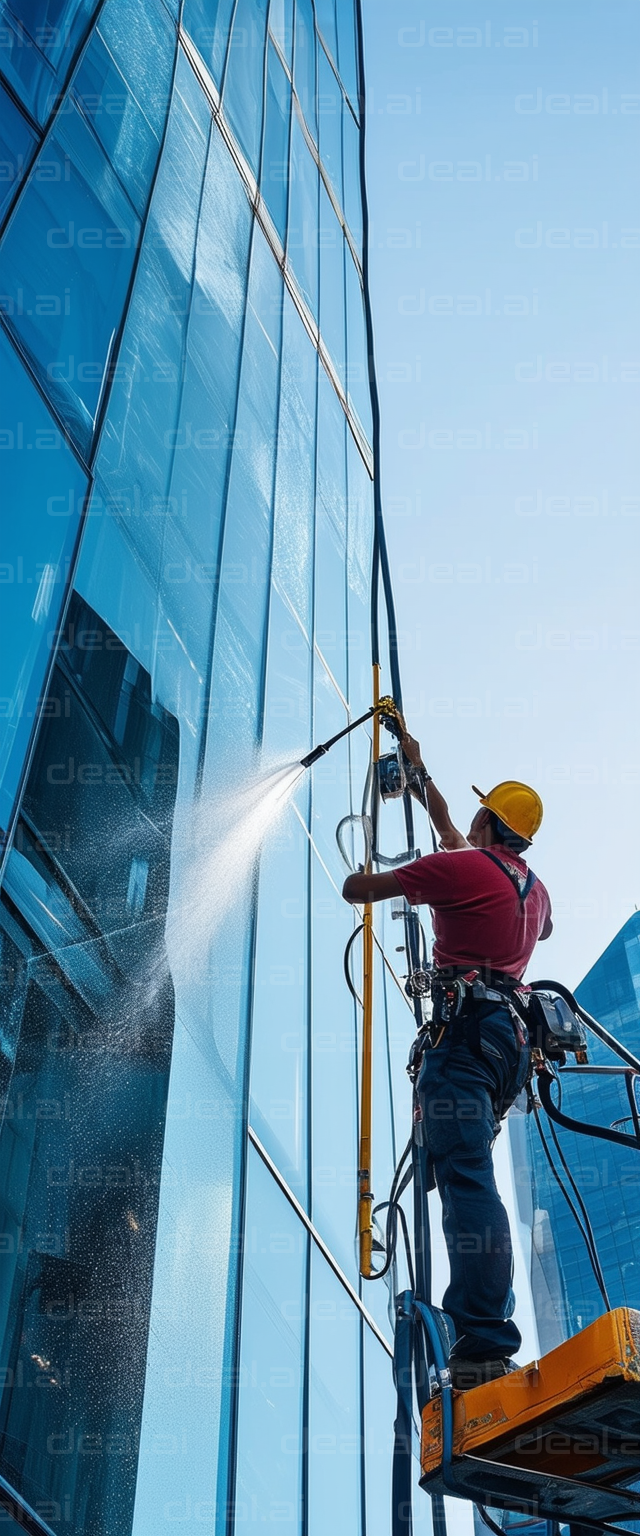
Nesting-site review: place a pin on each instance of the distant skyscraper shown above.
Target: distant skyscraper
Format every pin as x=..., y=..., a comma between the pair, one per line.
x=186, y=437
x=565, y=1294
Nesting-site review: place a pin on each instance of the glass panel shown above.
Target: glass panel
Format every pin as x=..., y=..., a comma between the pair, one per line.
x=246, y=555
x=208, y=23
x=65, y=264
x=326, y=20
x=36, y=551
x=281, y=25
x=334, y=1406
x=204, y=426
x=143, y=432
x=82, y=1135
x=347, y=49
x=275, y=150
x=287, y=718
x=351, y=162
x=331, y=532
x=332, y=322
x=270, y=1455
x=330, y=118
x=357, y=366
x=359, y=555
x=39, y=49
x=243, y=81
x=279, y=1050
x=334, y=1073
x=304, y=64
x=17, y=144
x=294, y=513
x=330, y=784
x=302, y=240
x=122, y=87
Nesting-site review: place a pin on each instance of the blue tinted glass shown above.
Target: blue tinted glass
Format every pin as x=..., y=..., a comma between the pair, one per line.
x=122, y=87
x=357, y=364
x=294, y=508
x=302, y=239
x=270, y=1434
x=142, y=432
x=359, y=548
x=246, y=548
x=243, y=81
x=333, y=1044
x=40, y=48
x=104, y=734
x=275, y=149
x=326, y=19
x=40, y=472
x=331, y=531
x=208, y=400
x=351, y=162
x=287, y=716
x=17, y=143
x=304, y=64
x=345, y=11
x=279, y=1050
x=281, y=25
x=65, y=264
x=208, y=22
x=334, y=1405
x=332, y=319
x=330, y=120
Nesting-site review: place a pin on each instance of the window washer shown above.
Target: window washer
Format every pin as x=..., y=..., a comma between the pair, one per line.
x=488, y=913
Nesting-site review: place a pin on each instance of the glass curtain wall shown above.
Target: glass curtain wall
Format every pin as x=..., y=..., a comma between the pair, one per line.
x=186, y=438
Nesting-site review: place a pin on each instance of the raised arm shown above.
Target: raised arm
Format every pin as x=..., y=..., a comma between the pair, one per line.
x=436, y=804
x=360, y=888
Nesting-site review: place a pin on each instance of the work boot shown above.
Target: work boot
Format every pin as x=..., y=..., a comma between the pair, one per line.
x=466, y=1374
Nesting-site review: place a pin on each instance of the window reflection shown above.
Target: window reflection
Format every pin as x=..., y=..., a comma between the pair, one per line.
x=85, y=1069
x=36, y=552
x=39, y=46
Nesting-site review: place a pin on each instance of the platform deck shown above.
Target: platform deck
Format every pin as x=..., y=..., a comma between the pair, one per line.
x=558, y=1438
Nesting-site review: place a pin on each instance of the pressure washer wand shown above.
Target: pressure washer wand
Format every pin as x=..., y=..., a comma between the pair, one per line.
x=312, y=757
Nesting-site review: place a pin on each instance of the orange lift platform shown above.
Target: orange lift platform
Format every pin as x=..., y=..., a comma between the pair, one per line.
x=559, y=1438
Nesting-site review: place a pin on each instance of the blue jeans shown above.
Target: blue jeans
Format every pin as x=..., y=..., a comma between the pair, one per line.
x=463, y=1094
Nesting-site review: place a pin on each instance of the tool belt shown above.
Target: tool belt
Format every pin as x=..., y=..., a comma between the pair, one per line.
x=457, y=996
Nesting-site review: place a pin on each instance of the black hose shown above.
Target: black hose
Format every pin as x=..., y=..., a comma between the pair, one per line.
x=393, y=1208
x=582, y=1127
x=347, y=956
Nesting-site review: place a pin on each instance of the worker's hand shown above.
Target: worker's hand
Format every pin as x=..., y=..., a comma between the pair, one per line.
x=411, y=749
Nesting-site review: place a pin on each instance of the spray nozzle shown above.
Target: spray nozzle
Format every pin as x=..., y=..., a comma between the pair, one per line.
x=391, y=717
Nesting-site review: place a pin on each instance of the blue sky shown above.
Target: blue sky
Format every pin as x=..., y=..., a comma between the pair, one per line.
x=504, y=181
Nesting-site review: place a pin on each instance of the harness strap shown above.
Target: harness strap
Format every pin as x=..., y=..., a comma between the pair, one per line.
x=521, y=891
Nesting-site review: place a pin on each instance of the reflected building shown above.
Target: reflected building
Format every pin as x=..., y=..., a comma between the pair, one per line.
x=566, y=1296
x=186, y=439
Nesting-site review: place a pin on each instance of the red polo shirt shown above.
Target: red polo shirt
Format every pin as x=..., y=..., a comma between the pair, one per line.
x=477, y=916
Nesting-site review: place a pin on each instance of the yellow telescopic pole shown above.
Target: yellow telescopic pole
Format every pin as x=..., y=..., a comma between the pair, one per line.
x=365, y=1196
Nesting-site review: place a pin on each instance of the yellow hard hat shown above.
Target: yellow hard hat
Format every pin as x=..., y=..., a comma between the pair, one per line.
x=518, y=806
